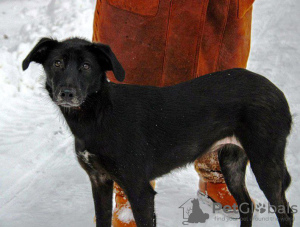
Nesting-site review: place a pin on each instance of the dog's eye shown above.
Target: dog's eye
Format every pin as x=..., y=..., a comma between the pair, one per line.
x=57, y=63
x=86, y=66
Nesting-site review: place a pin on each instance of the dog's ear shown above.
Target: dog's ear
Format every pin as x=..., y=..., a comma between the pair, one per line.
x=39, y=53
x=112, y=63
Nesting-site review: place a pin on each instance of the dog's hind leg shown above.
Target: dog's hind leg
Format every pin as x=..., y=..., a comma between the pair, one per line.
x=233, y=163
x=273, y=179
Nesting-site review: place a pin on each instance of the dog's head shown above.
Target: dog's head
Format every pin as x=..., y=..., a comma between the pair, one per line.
x=75, y=68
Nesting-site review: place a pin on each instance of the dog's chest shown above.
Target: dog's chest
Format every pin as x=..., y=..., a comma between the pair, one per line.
x=91, y=163
x=87, y=158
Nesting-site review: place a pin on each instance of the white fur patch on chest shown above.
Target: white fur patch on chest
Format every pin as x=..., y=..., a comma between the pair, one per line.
x=85, y=156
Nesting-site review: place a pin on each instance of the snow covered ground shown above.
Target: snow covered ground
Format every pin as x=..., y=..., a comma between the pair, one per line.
x=41, y=183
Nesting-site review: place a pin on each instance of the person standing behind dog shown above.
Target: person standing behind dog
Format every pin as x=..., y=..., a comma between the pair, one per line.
x=165, y=42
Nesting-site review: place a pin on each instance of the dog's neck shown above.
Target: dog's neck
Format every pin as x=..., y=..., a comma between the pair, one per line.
x=91, y=112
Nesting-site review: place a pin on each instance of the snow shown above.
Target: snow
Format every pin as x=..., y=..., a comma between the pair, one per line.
x=124, y=213
x=42, y=184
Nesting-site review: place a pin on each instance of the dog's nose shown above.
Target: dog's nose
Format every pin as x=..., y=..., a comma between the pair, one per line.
x=67, y=94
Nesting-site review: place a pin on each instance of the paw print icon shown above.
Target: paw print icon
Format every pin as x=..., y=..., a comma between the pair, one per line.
x=261, y=208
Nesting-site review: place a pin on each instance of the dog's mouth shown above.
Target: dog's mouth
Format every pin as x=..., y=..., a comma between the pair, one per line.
x=73, y=105
x=69, y=105
x=65, y=101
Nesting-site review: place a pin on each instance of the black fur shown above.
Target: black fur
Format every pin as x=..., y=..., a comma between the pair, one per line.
x=138, y=133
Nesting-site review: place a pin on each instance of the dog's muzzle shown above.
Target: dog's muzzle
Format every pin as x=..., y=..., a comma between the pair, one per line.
x=67, y=97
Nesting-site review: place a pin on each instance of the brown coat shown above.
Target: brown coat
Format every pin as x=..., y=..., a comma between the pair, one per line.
x=164, y=42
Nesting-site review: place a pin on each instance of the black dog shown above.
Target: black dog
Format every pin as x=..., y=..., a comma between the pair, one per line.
x=133, y=134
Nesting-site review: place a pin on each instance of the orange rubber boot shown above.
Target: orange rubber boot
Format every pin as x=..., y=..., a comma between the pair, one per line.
x=122, y=216
x=212, y=186
x=218, y=192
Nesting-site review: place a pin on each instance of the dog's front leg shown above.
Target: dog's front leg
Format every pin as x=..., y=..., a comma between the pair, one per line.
x=102, y=185
x=102, y=194
x=141, y=198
